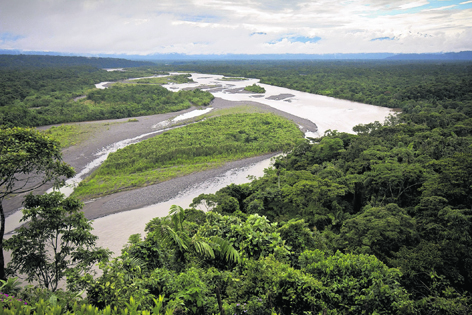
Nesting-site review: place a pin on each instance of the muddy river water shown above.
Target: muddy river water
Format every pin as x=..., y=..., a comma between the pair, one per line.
x=327, y=113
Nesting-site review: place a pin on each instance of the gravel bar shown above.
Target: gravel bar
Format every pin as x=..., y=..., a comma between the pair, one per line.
x=120, y=129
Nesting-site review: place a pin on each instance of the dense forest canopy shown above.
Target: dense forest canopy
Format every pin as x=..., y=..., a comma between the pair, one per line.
x=394, y=84
x=37, y=97
x=375, y=222
x=38, y=61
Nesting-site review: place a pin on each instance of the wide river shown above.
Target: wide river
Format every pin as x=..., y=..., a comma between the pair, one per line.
x=327, y=113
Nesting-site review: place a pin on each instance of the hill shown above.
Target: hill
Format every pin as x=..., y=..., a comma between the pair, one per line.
x=37, y=61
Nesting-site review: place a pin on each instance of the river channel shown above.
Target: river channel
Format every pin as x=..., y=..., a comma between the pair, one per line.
x=327, y=113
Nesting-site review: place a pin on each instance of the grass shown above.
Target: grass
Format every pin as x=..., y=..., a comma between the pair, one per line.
x=193, y=148
x=255, y=88
x=75, y=134
x=241, y=109
x=232, y=79
x=181, y=78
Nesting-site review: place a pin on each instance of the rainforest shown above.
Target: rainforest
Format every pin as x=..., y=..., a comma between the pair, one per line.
x=377, y=220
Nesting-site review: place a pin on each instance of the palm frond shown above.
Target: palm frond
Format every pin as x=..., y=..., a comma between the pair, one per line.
x=174, y=209
x=167, y=235
x=202, y=247
x=225, y=249
x=177, y=216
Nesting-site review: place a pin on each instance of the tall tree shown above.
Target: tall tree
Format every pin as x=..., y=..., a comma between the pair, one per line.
x=28, y=160
x=172, y=233
x=57, y=240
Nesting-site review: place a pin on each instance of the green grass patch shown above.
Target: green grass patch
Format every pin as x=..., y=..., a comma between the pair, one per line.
x=241, y=109
x=180, y=78
x=190, y=149
x=74, y=134
x=255, y=88
x=326, y=92
x=232, y=79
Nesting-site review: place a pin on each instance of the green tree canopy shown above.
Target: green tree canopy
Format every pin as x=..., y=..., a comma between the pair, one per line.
x=379, y=231
x=28, y=160
x=56, y=241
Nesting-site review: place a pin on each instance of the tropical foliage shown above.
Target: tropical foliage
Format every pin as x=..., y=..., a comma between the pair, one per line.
x=192, y=148
x=28, y=160
x=376, y=222
x=255, y=88
x=408, y=85
x=35, y=97
x=56, y=241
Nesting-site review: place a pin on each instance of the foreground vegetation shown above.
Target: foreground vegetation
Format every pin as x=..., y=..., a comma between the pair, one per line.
x=189, y=149
x=377, y=222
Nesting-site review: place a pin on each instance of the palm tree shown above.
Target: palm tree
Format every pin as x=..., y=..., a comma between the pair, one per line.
x=175, y=236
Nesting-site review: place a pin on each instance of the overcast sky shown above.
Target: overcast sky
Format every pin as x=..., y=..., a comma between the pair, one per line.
x=236, y=26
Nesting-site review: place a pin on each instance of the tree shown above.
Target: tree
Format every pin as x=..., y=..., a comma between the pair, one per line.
x=357, y=284
x=56, y=240
x=380, y=231
x=28, y=160
x=172, y=233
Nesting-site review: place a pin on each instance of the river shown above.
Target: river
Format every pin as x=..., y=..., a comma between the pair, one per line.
x=327, y=113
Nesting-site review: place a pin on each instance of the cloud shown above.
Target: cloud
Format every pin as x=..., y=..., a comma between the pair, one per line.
x=297, y=39
x=232, y=26
x=9, y=37
x=304, y=39
x=200, y=18
x=383, y=38
x=442, y=8
x=414, y=4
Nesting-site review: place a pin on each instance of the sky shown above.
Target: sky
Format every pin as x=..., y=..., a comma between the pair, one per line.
x=145, y=27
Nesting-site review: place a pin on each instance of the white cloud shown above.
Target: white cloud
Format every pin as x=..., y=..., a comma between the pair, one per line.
x=442, y=8
x=227, y=26
x=412, y=5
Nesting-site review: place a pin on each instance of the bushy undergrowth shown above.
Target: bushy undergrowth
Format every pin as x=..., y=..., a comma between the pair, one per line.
x=192, y=148
x=255, y=88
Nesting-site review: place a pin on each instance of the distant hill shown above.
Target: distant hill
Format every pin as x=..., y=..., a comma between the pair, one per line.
x=123, y=60
x=42, y=61
x=176, y=56
x=463, y=55
x=232, y=57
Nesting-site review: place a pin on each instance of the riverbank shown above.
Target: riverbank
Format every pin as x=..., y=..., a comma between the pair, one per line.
x=112, y=131
x=161, y=192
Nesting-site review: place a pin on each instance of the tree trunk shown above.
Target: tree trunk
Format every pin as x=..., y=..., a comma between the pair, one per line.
x=2, y=232
x=220, y=304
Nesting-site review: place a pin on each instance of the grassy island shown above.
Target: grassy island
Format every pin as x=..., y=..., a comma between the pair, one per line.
x=179, y=78
x=255, y=88
x=192, y=148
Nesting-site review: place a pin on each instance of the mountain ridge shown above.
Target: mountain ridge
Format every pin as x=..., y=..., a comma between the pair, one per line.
x=454, y=56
